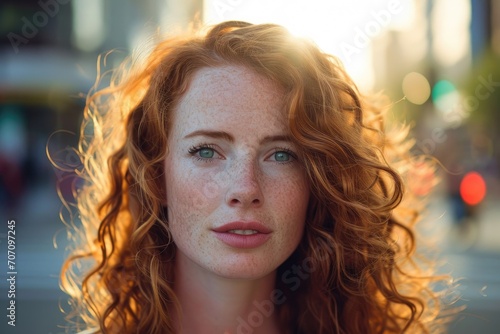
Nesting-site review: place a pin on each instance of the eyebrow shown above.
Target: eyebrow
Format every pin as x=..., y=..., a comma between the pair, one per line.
x=228, y=137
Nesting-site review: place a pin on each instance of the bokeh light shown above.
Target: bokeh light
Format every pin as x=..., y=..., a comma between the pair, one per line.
x=416, y=88
x=445, y=96
x=473, y=188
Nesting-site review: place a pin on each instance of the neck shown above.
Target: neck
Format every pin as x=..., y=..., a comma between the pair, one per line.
x=215, y=304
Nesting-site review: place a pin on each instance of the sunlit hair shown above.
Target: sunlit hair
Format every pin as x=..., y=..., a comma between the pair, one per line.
x=359, y=241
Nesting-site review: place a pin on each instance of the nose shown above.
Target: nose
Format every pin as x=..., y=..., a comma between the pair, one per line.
x=244, y=186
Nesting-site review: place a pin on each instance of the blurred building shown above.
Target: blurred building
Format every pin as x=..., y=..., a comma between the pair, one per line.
x=48, y=60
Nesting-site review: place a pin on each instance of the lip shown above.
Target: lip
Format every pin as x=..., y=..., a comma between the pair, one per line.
x=243, y=241
x=239, y=225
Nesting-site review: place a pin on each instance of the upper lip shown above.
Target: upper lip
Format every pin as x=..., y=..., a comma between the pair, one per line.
x=239, y=225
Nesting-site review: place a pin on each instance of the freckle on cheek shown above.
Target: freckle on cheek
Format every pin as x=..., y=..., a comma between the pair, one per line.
x=194, y=199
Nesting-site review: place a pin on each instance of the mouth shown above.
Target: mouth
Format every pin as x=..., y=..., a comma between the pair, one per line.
x=243, y=228
x=243, y=234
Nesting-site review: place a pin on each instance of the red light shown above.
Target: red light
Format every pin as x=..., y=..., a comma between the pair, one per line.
x=472, y=188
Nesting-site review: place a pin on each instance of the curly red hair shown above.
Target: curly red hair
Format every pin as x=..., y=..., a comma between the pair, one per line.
x=359, y=239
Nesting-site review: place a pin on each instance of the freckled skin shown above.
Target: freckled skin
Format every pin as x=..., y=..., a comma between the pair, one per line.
x=241, y=181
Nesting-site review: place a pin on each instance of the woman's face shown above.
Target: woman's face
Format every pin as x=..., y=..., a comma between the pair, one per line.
x=236, y=190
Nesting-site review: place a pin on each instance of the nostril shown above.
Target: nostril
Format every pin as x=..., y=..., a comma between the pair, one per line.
x=241, y=201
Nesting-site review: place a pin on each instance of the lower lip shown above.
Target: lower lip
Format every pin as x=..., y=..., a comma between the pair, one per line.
x=243, y=241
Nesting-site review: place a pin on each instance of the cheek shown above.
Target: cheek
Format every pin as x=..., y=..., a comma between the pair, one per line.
x=293, y=195
x=291, y=198
x=183, y=195
x=189, y=194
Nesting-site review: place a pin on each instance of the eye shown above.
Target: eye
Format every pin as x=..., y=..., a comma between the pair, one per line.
x=204, y=152
x=283, y=156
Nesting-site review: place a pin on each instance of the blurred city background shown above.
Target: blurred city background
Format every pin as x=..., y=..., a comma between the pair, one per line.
x=438, y=60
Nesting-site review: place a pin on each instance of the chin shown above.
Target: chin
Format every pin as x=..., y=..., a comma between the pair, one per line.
x=240, y=268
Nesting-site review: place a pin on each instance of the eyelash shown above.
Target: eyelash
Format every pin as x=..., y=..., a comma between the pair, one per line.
x=193, y=150
x=288, y=151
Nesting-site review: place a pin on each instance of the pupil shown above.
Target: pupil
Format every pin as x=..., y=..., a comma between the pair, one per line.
x=282, y=156
x=206, y=153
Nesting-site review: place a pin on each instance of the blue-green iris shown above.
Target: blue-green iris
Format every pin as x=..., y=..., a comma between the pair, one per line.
x=207, y=153
x=282, y=156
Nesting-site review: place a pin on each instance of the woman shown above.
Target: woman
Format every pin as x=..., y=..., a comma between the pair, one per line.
x=239, y=183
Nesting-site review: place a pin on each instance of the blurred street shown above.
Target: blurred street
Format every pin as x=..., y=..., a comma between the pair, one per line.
x=473, y=259
x=38, y=265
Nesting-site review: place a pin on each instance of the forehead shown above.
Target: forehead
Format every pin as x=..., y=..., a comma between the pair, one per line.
x=230, y=96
